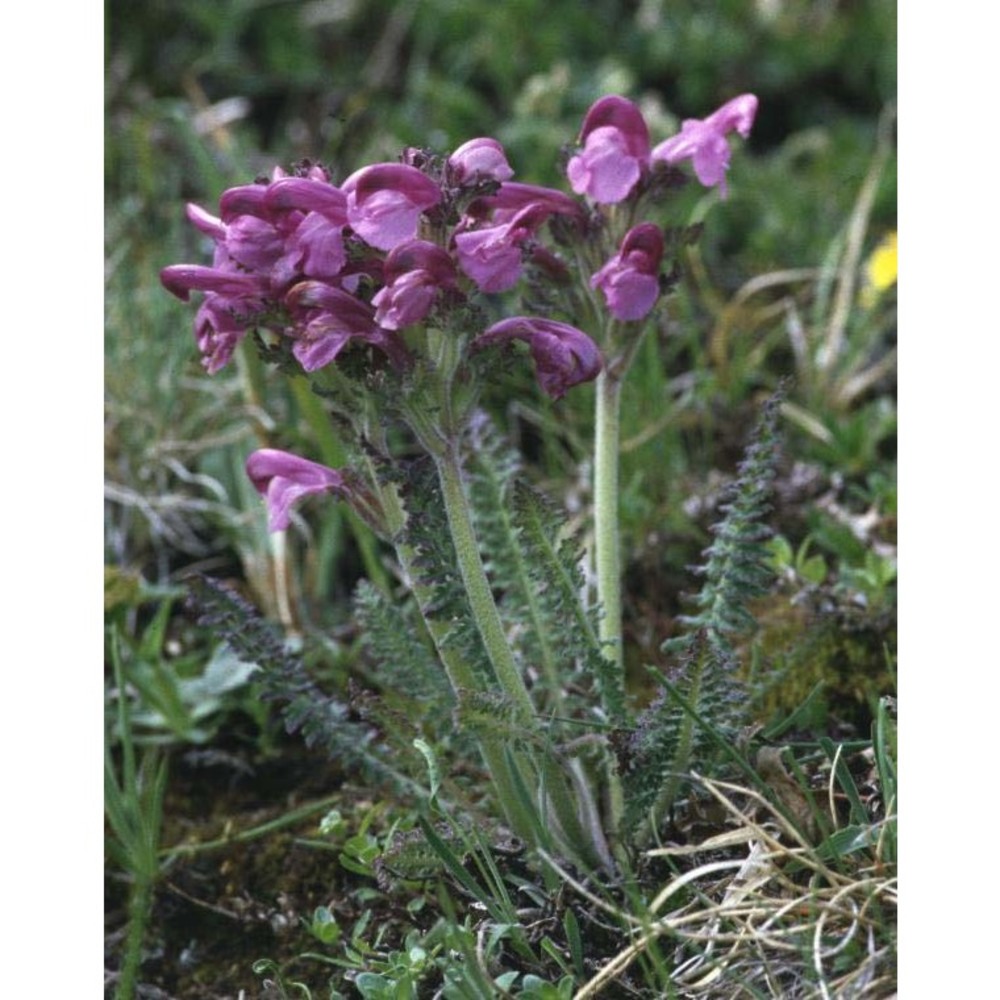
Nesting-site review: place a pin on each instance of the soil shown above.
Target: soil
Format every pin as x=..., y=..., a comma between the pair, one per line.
x=221, y=909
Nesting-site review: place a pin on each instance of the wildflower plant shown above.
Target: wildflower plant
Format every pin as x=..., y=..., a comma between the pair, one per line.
x=379, y=290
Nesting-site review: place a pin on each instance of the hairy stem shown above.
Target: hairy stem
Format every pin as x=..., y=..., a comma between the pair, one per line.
x=557, y=792
x=607, y=556
x=477, y=585
x=460, y=673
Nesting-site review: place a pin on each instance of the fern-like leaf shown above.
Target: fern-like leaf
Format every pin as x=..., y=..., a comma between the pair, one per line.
x=321, y=719
x=736, y=563
x=405, y=660
x=535, y=568
x=655, y=756
x=435, y=567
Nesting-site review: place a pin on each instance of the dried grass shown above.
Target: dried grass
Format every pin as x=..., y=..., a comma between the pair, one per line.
x=781, y=922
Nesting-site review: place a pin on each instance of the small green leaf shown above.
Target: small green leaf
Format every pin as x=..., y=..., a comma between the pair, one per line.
x=848, y=840
x=324, y=925
x=434, y=771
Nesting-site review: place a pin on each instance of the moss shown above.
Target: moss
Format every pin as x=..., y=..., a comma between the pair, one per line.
x=843, y=647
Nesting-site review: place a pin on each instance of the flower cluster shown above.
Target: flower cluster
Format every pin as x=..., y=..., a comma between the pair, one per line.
x=327, y=266
x=402, y=245
x=616, y=150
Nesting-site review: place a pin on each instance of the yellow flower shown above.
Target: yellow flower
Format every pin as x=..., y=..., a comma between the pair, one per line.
x=880, y=270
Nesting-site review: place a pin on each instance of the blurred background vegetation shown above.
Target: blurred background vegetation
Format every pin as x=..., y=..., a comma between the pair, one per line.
x=203, y=96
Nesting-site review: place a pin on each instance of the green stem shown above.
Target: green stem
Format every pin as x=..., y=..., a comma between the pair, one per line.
x=334, y=454
x=255, y=832
x=477, y=585
x=490, y=626
x=607, y=556
x=460, y=673
x=140, y=905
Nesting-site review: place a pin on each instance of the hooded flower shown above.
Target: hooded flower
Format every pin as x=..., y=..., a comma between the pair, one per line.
x=630, y=280
x=703, y=141
x=564, y=356
x=182, y=279
x=414, y=273
x=327, y=319
x=219, y=326
x=385, y=201
x=312, y=214
x=479, y=160
x=283, y=479
x=615, y=151
x=491, y=255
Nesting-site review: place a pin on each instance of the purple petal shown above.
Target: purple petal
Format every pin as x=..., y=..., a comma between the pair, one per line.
x=514, y=196
x=703, y=141
x=208, y=224
x=564, y=356
x=630, y=280
x=414, y=273
x=283, y=479
x=304, y=195
x=328, y=319
x=615, y=152
x=248, y=199
x=319, y=246
x=629, y=294
x=623, y=116
x=604, y=170
x=182, y=279
x=320, y=343
x=478, y=160
x=385, y=202
x=254, y=243
x=219, y=326
x=329, y=298
x=489, y=258
x=405, y=302
x=420, y=255
x=492, y=256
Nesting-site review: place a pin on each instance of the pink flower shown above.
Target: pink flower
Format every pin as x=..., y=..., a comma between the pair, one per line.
x=283, y=479
x=492, y=254
x=312, y=213
x=479, y=160
x=615, y=151
x=314, y=249
x=219, y=326
x=703, y=141
x=414, y=273
x=564, y=356
x=302, y=194
x=284, y=231
x=513, y=196
x=328, y=319
x=385, y=202
x=182, y=279
x=630, y=280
